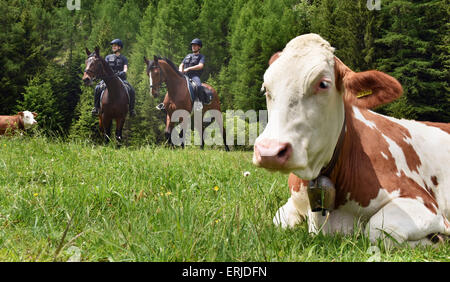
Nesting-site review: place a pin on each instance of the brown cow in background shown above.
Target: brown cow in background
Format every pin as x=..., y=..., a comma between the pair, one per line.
x=22, y=121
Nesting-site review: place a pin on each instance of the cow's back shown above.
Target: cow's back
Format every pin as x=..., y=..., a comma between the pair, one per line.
x=9, y=123
x=431, y=141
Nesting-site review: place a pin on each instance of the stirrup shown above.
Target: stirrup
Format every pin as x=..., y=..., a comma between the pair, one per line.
x=198, y=106
x=161, y=107
x=95, y=111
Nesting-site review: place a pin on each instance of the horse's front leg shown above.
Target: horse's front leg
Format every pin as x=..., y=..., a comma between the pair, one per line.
x=168, y=130
x=107, y=129
x=198, y=125
x=119, y=126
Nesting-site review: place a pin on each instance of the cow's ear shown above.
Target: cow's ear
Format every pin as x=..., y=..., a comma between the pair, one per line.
x=88, y=52
x=20, y=113
x=34, y=114
x=274, y=57
x=368, y=89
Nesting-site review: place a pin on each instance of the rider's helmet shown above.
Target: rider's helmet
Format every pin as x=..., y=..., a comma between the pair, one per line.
x=197, y=41
x=118, y=42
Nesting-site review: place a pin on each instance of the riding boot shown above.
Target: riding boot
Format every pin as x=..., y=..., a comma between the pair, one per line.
x=97, y=93
x=202, y=95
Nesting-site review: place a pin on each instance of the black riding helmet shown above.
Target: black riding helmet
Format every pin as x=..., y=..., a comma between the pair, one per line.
x=118, y=42
x=197, y=41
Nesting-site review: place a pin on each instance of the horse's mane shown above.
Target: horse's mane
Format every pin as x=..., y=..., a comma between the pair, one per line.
x=103, y=62
x=170, y=63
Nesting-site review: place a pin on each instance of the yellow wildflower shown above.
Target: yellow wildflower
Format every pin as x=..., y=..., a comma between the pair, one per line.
x=216, y=188
x=35, y=194
x=168, y=193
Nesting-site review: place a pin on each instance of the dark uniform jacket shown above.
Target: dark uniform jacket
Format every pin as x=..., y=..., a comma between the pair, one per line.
x=117, y=63
x=193, y=60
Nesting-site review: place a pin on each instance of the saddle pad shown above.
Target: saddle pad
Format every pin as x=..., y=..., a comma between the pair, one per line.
x=190, y=88
x=127, y=88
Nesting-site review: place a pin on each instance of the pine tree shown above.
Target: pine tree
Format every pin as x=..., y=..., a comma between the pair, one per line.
x=412, y=36
x=174, y=28
x=147, y=126
x=24, y=47
x=261, y=30
x=39, y=97
x=213, y=24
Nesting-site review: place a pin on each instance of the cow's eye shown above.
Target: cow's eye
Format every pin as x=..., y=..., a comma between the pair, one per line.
x=324, y=85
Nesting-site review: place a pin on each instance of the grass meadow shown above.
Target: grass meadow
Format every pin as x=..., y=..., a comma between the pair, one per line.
x=77, y=201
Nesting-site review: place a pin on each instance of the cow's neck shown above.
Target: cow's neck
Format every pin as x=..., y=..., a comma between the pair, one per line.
x=21, y=124
x=352, y=165
x=328, y=169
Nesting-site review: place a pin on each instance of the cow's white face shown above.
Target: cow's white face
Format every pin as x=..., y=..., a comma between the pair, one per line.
x=306, y=111
x=28, y=119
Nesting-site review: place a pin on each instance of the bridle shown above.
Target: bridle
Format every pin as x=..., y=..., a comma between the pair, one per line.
x=161, y=75
x=92, y=73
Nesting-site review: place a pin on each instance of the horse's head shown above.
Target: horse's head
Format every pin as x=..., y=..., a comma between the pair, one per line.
x=155, y=75
x=93, y=66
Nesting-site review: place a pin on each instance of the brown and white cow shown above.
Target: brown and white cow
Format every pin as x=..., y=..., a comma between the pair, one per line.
x=22, y=121
x=391, y=175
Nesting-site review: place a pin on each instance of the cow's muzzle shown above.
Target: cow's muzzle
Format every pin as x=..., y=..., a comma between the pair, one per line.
x=272, y=154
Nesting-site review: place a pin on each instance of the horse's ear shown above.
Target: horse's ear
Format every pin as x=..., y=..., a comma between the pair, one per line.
x=97, y=51
x=155, y=58
x=88, y=52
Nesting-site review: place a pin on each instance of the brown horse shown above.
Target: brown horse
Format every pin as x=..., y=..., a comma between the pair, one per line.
x=177, y=97
x=114, y=102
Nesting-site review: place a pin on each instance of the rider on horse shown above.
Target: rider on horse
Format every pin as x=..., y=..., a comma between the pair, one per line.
x=119, y=64
x=192, y=65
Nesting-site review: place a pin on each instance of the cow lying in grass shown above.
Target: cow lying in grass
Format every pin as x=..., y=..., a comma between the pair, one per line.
x=22, y=121
x=391, y=175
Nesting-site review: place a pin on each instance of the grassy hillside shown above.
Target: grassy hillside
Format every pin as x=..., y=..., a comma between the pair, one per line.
x=77, y=201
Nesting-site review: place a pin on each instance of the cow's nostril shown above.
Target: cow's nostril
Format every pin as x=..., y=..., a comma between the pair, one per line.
x=272, y=154
x=282, y=153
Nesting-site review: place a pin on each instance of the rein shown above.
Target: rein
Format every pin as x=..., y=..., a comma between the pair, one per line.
x=102, y=77
x=161, y=73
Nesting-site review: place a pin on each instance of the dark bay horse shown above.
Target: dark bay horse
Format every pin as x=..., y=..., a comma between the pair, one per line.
x=177, y=97
x=114, y=102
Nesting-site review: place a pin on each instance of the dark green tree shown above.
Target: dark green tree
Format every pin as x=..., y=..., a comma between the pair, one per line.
x=411, y=50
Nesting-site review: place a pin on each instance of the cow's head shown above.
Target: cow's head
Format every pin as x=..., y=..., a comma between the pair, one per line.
x=307, y=89
x=28, y=118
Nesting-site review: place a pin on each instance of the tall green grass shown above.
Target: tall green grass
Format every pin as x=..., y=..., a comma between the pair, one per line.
x=156, y=204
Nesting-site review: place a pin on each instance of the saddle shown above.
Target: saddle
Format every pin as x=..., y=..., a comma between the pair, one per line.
x=195, y=91
x=127, y=87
